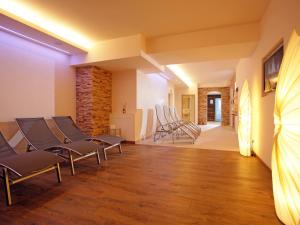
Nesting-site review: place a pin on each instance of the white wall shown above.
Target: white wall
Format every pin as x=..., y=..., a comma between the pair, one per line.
x=34, y=80
x=124, y=91
x=281, y=17
x=139, y=92
x=152, y=89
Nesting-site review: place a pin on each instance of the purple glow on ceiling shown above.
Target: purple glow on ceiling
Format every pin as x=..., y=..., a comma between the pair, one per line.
x=33, y=40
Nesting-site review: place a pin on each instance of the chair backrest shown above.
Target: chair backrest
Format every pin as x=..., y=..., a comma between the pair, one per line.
x=5, y=149
x=172, y=114
x=37, y=133
x=167, y=114
x=176, y=115
x=160, y=116
x=68, y=127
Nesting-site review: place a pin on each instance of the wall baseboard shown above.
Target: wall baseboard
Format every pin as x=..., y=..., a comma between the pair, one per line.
x=255, y=155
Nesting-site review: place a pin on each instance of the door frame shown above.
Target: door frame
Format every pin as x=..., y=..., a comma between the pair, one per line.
x=194, y=101
x=220, y=109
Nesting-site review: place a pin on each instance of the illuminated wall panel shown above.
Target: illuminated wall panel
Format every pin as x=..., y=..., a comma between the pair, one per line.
x=286, y=149
x=244, y=128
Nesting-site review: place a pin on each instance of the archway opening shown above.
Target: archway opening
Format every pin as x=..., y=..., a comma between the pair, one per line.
x=214, y=107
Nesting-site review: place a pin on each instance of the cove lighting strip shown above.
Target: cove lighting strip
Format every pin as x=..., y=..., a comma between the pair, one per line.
x=33, y=40
x=181, y=74
x=28, y=14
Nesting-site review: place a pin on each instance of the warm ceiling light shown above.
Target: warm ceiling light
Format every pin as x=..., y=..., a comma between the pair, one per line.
x=33, y=40
x=179, y=72
x=244, y=127
x=21, y=10
x=286, y=154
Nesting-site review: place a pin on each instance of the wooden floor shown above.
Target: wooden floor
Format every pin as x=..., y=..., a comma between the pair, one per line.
x=149, y=185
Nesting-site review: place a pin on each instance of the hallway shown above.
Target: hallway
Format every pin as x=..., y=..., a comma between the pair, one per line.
x=213, y=136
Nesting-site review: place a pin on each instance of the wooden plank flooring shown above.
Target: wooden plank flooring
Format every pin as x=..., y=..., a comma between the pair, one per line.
x=149, y=185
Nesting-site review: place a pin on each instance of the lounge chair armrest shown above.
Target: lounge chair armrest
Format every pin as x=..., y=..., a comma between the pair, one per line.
x=52, y=149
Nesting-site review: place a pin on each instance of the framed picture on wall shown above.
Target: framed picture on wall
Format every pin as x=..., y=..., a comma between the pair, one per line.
x=271, y=66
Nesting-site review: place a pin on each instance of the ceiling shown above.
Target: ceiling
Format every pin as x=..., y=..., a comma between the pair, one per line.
x=193, y=21
x=205, y=73
x=130, y=63
x=102, y=19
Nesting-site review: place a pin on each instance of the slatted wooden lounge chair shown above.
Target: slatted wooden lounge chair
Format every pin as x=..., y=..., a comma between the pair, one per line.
x=40, y=137
x=72, y=133
x=163, y=127
x=182, y=129
x=176, y=117
x=19, y=167
x=196, y=130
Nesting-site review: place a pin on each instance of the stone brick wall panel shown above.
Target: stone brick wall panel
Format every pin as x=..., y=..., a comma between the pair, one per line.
x=202, y=104
x=93, y=99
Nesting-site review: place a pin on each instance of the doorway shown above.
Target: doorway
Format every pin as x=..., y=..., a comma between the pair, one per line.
x=188, y=107
x=214, y=108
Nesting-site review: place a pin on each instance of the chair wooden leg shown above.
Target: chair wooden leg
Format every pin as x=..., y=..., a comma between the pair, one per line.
x=58, y=174
x=98, y=157
x=7, y=187
x=71, y=163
